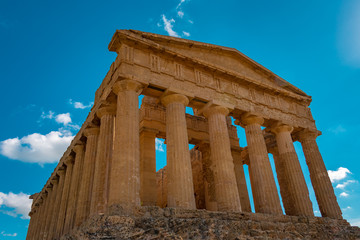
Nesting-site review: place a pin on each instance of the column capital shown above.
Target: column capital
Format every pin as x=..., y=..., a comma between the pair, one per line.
x=126, y=85
x=216, y=110
x=78, y=148
x=91, y=131
x=179, y=98
x=248, y=119
x=61, y=172
x=281, y=128
x=307, y=135
x=106, y=110
x=54, y=181
x=69, y=160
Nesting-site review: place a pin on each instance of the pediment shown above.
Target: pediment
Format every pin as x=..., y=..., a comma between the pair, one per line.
x=227, y=59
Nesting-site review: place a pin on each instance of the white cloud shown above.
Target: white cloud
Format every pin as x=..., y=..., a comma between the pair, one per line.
x=159, y=145
x=168, y=27
x=181, y=2
x=347, y=208
x=186, y=34
x=339, y=174
x=344, y=194
x=190, y=21
x=37, y=148
x=63, y=118
x=80, y=105
x=180, y=14
x=354, y=222
x=343, y=185
x=8, y=234
x=337, y=130
x=49, y=115
x=20, y=204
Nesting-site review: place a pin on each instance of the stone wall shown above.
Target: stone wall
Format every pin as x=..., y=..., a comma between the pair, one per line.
x=170, y=223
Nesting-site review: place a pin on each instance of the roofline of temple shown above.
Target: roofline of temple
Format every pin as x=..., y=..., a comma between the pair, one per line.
x=125, y=34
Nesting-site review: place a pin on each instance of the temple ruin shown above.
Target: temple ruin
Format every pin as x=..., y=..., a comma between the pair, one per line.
x=109, y=169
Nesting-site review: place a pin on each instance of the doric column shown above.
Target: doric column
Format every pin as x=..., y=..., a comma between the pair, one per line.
x=209, y=182
x=241, y=182
x=266, y=198
x=147, y=167
x=69, y=162
x=297, y=189
x=74, y=187
x=86, y=182
x=227, y=195
x=282, y=180
x=47, y=204
x=320, y=180
x=31, y=224
x=50, y=213
x=55, y=215
x=125, y=173
x=180, y=181
x=103, y=158
x=40, y=211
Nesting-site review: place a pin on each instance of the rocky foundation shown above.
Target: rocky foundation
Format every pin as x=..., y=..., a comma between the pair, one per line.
x=171, y=223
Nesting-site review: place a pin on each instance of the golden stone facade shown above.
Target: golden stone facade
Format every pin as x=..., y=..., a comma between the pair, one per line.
x=111, y=163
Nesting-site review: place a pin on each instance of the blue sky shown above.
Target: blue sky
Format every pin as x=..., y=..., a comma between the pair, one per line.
x=53, y=56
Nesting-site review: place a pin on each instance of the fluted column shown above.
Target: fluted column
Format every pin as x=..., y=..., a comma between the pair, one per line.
x=86, y=182
x=69, y=162
x=47, y=204
x=180, y=181
x=105, y=147
x=282, y=180
x=148, y=191
x=50, y=212
x=40, y=203
x=31, y=224
x=125, y=173
x=55, y=215
x=241, y=182
x=320, y=180
x=298, y=191
x=74, y=187
x=266, y=198
x=35, y=222
x=208, y=168
x=227, y=195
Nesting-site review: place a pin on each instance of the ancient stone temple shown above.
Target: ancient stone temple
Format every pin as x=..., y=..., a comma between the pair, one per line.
x=106, y=185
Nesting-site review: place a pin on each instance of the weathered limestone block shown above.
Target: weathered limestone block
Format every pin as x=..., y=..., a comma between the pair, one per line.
x=171, y=223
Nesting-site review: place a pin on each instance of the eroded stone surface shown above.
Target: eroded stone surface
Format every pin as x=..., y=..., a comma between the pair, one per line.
x=170, y=223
